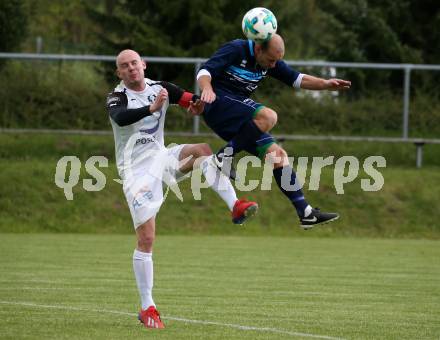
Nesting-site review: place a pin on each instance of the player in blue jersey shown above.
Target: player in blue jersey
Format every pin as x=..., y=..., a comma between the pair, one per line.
x=227, y=80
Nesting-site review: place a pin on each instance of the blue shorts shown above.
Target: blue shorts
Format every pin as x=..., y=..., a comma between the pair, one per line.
x=227, y=114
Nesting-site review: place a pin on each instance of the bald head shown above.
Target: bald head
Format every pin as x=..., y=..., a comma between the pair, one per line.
x=268, y=53
x=276, y=44
x=127, y=55
x=130, y=69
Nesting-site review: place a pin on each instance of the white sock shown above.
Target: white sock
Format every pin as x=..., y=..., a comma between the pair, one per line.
x=219, y=182
x=143, y=271
x=307, y=211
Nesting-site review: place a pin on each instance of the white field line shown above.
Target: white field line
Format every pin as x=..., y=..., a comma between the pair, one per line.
x=200, y=322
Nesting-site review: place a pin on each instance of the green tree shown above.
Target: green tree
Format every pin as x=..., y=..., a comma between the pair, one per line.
x=169, y=28
x=63, y=26
x=181, y=28
x=13, y=25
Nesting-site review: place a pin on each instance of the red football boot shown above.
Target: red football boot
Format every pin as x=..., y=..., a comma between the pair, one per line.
x=150, y=317
x=243, y=209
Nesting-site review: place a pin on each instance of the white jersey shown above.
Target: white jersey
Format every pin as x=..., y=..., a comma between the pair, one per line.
x=143, y=138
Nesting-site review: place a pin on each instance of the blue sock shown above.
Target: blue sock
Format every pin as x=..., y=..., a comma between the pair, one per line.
x=295, y=196
x=247, y=136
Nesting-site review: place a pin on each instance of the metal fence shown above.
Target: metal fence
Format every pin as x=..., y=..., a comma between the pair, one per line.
x=406, y=68
x=418, y=142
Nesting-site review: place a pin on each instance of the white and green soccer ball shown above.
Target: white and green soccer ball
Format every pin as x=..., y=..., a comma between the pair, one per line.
x=259, y=24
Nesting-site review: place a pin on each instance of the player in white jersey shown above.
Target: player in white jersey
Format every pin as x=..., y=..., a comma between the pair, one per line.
x=137, y=108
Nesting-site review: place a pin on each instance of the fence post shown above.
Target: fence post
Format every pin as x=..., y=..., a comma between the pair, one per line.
x=39, y=44
x=419, y=154
x=196, y=119
x=406, y=94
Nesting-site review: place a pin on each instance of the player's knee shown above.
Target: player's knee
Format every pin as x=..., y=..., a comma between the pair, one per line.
x=202, y=150
x=145, y=243
x=205, y=149
x=266, y=119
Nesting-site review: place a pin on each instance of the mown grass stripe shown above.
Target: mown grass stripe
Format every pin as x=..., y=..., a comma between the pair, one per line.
x=203, y=322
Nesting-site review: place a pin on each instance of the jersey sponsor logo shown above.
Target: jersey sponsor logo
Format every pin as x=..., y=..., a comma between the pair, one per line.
x=237, y=79
x=246, y=74
x=144, y=140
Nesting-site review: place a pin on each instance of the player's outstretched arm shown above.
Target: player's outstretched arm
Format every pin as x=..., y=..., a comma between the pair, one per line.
x=309, y=82
x=185, y=99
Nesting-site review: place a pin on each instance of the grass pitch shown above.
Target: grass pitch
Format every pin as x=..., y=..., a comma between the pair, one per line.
x=212, y=287
x=31, y=202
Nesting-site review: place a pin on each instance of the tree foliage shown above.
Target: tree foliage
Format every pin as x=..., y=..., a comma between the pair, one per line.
x=168, y=28
x=13, y=25
x=340, y=30
x=335, y=30
x=63, y=26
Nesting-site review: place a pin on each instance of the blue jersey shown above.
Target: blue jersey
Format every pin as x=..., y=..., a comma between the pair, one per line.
x=234, y=70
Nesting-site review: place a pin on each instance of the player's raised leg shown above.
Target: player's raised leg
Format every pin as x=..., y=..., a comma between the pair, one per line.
x=143, y=271
x=200, y=155
x=253, y=130
x=285, y=177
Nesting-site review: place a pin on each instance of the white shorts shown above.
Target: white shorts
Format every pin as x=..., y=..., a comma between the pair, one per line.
x=143, y=189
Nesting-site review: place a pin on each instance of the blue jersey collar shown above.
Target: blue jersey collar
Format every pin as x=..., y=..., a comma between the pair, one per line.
x=251, y=47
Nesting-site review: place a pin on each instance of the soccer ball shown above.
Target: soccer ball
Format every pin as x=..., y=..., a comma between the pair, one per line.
x=259, y=24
